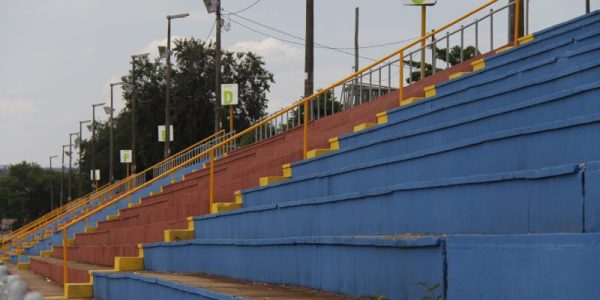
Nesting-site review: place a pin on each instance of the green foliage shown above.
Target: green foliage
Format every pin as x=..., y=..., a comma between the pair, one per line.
x=442, y=54
x=192, y=103
x=431, y=291
x=25, y=192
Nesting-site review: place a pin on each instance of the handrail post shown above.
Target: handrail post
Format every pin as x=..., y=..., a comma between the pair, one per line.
x=305, y=140
x=401, y=77
x=65, y=268
x=517, y=23
x=211, y=181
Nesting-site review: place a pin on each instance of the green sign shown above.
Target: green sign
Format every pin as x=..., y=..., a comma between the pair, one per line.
x=420, y=2
x=229, y=94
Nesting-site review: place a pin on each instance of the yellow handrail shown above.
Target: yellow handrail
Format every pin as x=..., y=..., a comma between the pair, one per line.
x=67, y=208
x=304, y=102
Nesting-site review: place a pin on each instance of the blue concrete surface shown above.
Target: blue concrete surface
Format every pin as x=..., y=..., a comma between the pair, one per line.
x=386, y=267
x=132, y=286
x=524, y=148
x=523, y=267
x=532, y=201
x=398, y=139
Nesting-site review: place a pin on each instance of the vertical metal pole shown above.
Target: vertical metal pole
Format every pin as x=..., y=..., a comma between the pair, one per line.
x=517, y=22
x=447, y=49
x=309, y=51
x=491, y=29
x=93, y=150
x=476, y=37
x=356, y=39
x=65, y=265
x=211, y=183
x=167, y=149
x=401, y=78
x=231, y=118
x=305, y=130
x=79, y=164
x=462, y=43
x=111, y=142
x=69, y=195
x=51, y=186
x=218, y=69
x=423, y=33
x=133, y=113
x=587, y=6
x=62, y=175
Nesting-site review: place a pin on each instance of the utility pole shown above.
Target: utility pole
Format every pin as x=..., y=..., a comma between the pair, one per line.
x=79, y=194
x=93, y=144
x=356, y=40
x=218, y=68
x=52, y=183
x=62, y=175
x=309, y=61
x=511, y=21
x=587, y=6
x=133, y=106
x=167, y=150
x=69, y=194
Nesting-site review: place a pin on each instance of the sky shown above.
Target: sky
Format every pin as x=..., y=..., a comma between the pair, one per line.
x=58, y=57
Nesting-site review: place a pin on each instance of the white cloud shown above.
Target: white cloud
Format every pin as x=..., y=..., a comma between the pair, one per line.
x=152, y=47
x=271, y=49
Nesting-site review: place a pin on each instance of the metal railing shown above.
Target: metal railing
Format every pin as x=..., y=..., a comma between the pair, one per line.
x=108, y=192
x=320, y=104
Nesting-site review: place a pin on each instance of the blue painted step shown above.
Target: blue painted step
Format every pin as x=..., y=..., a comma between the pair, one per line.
x=400, y=139
x=360, y=266
x=561, y=142
x=532, y=201
x=527, y=54
x=117, y=286
x=448, y=108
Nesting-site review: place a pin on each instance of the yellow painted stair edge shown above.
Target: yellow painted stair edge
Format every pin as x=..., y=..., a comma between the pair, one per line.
x=526, y=39
x=46, y=253
x=23, y=266
x=317, y=152
x=173, y=235
x=410, y=100
x=224, y=206
x=457, y=75
x=478, y=64
x=382, y=118
x=130, y=263
x=78, y=290
x=287, y=171
x=264, y=181
x=238, y=197
x=363, y=126
x=429, y=91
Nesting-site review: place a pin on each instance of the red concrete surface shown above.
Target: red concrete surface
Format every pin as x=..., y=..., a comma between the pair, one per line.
x=241, y=169
x=54, y=271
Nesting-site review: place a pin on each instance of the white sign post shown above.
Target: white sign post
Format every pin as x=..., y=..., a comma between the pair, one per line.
x=230, y=97
x=126, y=156
x=162, y=133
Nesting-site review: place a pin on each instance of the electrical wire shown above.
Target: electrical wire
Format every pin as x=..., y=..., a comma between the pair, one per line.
x=211, y=30
x=244, y=9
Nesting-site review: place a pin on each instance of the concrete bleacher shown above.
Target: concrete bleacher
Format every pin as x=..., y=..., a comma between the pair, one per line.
x=486, y=186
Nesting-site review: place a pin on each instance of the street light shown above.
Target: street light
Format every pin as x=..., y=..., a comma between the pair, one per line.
x=70, y=164
x=168, y=88
x=132, y=90
x=51, y=182
x=79, y=145
x=93, y=141
x=110, y=111
x=62, y=174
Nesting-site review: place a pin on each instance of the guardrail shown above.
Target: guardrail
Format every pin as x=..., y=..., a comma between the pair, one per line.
x=318, y=105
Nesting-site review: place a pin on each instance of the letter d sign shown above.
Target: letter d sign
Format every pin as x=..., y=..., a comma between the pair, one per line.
x=229, y=94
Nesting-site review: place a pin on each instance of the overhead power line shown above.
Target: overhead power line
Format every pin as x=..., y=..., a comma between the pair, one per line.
x=244, y=9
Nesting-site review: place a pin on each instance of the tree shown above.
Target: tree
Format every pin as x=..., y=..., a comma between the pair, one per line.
x=453, y=59
x=192, y=100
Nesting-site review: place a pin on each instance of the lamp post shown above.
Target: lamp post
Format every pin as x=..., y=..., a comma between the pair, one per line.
x=214, y=6
x=62, y=175
x=110, y=111
x=93, y=142
x=51, y=183
x=168, y=88
x=70, y=153
x=79, y=164
x=133, y=90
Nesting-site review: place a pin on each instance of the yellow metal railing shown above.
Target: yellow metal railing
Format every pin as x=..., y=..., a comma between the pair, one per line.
x=304, y=104
x=106, y=190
